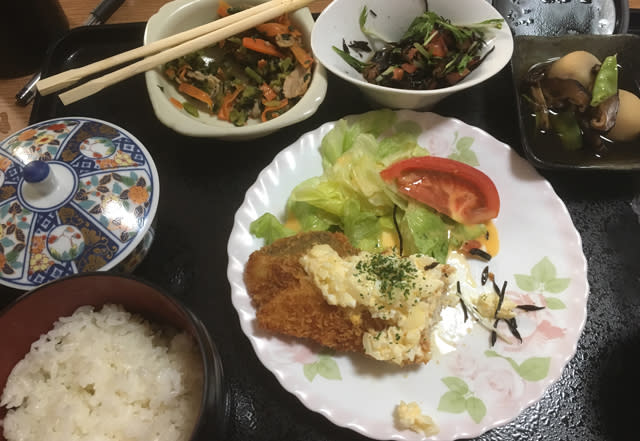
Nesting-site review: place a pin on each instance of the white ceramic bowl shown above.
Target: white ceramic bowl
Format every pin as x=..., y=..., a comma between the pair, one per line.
x=180, y=15
x=340, y=20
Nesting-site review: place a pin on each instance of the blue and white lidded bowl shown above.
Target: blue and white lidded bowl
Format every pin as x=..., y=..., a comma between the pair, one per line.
x=76, y=195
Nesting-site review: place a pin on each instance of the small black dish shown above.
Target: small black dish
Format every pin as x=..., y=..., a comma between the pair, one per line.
x=530, y=50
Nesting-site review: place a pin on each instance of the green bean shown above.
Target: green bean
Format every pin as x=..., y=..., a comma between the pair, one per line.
x=253, y=75
x=190, y=108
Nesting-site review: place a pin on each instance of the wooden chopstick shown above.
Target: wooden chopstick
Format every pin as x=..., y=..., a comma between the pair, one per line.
x=54, y=83
x=164, y=50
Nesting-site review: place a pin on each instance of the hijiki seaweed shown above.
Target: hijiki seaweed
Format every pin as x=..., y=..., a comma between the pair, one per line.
x=433, y=53
x=492, y=325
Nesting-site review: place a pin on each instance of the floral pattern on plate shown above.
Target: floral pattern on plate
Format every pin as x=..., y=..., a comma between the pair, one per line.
x=476, y=386
x=98, y=213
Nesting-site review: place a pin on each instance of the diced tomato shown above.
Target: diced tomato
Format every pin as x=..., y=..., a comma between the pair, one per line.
x=453, y=188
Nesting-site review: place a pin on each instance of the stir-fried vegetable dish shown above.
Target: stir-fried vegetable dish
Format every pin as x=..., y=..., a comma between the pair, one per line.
x=432, y=53
x=259, y=74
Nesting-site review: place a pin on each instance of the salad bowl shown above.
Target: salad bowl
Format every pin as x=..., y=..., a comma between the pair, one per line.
x=338, y=25
x=180, y=15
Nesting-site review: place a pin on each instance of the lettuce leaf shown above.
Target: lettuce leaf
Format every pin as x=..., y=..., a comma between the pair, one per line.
x=269, y=228
x=341, y=138
x=424, y=232
x=321, y=193
x=312, y=218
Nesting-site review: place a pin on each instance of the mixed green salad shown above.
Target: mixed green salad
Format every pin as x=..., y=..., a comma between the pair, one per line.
x=351, y=197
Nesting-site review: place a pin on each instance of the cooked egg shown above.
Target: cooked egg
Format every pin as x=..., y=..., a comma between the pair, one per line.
x=482, y=302
x=577, y=65
x=405, y=292
x=627, y=125
x=409, y=416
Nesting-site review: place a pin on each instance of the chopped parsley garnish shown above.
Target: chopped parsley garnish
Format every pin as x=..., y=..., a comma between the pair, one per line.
x=392, y=273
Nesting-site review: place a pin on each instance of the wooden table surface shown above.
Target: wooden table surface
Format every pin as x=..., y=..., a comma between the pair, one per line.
x=14, y=117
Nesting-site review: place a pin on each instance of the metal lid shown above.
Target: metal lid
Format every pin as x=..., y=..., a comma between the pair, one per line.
x=76, y=195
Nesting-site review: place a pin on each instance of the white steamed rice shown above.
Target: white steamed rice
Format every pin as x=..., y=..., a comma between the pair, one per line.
x=104, y=375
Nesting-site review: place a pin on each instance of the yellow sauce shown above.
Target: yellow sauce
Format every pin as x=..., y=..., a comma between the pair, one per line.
x=292, y=223
x=490, y=241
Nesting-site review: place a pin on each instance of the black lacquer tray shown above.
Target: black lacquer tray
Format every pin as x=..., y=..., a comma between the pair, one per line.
x=203, y=182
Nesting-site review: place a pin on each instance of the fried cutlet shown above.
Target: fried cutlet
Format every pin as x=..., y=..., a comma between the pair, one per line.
x=288, y=302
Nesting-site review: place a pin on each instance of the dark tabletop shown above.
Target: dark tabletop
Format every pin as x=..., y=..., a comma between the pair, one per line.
x=203, y=183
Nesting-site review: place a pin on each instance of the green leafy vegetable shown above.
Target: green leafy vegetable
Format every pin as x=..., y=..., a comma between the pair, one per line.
x=362, y=21
x=358, y=65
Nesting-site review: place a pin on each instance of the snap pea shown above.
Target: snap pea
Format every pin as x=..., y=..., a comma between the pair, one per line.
x=566, y=127
x=606, y=83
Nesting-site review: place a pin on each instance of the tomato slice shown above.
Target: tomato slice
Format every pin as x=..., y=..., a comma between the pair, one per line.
x=453, y=188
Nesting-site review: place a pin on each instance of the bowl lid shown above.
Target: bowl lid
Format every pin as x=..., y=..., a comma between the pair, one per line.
x=76, y=195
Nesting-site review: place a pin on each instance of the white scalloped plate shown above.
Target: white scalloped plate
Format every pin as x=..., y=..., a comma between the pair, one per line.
x=476, y=387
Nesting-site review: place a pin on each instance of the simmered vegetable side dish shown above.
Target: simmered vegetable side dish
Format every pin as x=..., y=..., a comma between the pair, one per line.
x=432, y=53
x=577, y=98
x=259, y=74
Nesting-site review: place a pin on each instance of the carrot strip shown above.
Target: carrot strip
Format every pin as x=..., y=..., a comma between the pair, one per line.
x=284, y=19
x=175, y=102
x=227, y=104
x=268, y=92
x=398, y=73
x=271, y=109
x=170, y=73
x=196, y=93
x=223, y=8
x=262, y=46
x=182, y=71
x=302, y=56
x=272, y=29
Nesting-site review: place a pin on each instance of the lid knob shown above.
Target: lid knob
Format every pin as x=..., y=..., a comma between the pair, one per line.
x=40, y=179
x=36, y=171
